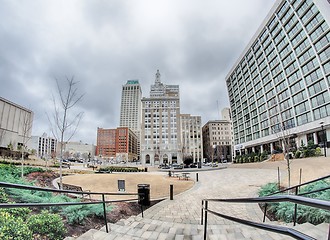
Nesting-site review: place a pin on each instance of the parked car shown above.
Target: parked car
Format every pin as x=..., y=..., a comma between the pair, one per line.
x=177, y=166
x=193, y=165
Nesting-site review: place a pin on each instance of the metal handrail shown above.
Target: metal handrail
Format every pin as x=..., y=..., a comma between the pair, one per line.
x=278, y=229
x=322, y=204
x=27, y=187
x=296, y=192
x=103, y=194
x=299, y=185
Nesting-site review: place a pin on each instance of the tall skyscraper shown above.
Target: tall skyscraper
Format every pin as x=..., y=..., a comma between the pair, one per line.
x=160, y=132
x=280, y=85
x=130, y=109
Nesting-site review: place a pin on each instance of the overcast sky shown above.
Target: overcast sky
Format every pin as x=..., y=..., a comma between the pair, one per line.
x=104, y=43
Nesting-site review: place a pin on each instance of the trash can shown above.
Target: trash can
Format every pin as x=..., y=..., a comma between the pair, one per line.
x=144, y=199
x=146, y=169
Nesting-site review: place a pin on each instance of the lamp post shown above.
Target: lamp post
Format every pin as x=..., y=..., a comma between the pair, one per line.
x=324, y=139
x=213, y=148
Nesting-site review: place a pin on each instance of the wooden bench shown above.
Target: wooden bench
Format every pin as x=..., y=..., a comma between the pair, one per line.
x=74, y=188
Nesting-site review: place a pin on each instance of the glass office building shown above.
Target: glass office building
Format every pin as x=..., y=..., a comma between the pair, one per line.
x=280, y=84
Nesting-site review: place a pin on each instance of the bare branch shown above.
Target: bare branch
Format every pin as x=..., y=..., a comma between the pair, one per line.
x=63, y=125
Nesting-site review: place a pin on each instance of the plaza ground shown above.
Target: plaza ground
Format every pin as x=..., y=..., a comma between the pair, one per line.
x=160, y=182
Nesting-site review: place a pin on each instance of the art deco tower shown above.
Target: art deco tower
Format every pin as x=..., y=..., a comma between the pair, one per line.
x=160, y=131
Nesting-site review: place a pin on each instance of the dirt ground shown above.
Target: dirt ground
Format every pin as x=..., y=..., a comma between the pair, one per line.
x=311, y=168
x=159, y=183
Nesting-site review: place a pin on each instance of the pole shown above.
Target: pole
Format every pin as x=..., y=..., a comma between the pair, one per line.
x=196, y=177
x=324, y=141
x=171, y=192
x=295, y=209
x=278, y=178
x=105, y=214
x=205, y=219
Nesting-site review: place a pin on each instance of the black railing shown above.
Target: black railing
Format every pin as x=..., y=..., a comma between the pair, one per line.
x=321, y=204
x=103, y=202
x=295, y=190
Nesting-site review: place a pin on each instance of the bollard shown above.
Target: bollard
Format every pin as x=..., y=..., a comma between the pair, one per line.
x=171, y=192
x=196, y=177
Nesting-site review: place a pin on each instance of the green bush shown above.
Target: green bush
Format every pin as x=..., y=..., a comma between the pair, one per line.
x=118, y=169
x=318, y=151
x=22, y=213
x=284, y=210
x=47, y=225
x=77, y=214
x=263, y=156
x=297, y=154
x=268, y=189
x=13, y=228
x=3, y=196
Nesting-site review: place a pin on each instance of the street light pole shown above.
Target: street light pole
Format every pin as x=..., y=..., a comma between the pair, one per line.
x=324, y=139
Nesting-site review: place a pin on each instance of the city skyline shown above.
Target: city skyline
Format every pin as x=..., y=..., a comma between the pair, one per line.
x=103, y=45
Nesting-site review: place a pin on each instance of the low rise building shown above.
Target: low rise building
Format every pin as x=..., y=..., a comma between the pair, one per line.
x=120, y=143
x=15, y=124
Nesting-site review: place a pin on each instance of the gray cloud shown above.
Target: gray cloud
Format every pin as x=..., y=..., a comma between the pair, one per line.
x=105, y=43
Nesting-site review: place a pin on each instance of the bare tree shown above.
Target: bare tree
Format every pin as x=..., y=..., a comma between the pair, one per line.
x=282, y=130
x=63, y=124
x=26, y=135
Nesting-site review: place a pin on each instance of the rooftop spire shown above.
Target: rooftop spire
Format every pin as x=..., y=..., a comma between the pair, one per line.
x=157, y=77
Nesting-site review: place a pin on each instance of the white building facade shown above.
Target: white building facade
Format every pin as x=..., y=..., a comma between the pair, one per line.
x=160, y=131
x=130, y=108
x=280, y=85
x=191, y=137
x=44, y=146
x=15, y=124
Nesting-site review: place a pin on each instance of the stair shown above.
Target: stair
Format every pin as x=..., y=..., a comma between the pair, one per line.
x=137, y=227
x=320, y=231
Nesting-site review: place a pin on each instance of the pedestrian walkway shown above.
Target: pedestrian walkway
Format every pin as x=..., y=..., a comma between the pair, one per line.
x=224, y=183
x=180, y=218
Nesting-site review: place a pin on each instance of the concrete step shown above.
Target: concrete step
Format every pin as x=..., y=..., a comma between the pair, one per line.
x=136, y=227
x=319, y=232
x=153, y=229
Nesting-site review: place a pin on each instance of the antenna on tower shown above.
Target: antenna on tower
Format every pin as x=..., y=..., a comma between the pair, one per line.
x=218, y=110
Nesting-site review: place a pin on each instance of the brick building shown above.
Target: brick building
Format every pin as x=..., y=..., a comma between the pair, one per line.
x=120, y=143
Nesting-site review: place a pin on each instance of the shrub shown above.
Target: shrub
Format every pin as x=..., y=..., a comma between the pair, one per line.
x=3, y=196
x=13, y=228
x=48, y=225
x=263, y=156
x=297, y=154
x=22, y=213
x=318, y=151
x=268, y=189
x=77, y=214
x=284, y=210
